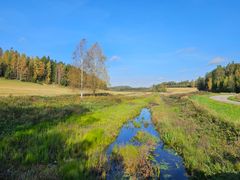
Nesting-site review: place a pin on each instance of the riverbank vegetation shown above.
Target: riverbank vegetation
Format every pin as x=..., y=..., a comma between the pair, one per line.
x=208, y=142
x=53, y=137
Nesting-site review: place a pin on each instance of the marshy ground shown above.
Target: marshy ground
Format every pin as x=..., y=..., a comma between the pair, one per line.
x=69, y=138
x=138, y=152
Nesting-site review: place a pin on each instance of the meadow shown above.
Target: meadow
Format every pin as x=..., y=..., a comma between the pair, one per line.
x=180, y=90
x=64, y=136
x=19, y=88
x=208, y=142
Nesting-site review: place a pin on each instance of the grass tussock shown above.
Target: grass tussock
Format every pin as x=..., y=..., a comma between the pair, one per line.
x=145, y=138
x=135, y=161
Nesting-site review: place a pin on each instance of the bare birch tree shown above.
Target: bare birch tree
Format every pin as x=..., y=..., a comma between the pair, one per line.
x=96, y=67
x=79, y=58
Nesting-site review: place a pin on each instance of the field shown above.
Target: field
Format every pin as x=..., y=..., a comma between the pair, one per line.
x=181, y=90
x=18, y=88
x=64, y=136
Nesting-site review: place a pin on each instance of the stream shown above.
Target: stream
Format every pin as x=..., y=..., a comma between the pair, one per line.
x=171, y=164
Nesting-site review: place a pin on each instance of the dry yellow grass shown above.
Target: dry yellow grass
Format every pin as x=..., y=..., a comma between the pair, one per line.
x=18, y=88
x=129, y=93
x=180, y=90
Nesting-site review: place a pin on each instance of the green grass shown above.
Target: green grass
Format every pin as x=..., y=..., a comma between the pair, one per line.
x=209, y=146
x=235, y=98
x=22, y=112
x=61, y=136
x=136, y=124
x=225, y=111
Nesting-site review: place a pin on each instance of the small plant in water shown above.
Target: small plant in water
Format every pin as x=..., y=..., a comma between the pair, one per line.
x=145, y=124
x=137, y=161
x=145, y=138
x=136, y=124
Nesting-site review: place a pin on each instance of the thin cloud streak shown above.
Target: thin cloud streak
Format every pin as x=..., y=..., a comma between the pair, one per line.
x=216, y=60
x=114, y=58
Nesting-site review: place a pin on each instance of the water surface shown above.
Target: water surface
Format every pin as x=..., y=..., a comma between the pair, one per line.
x=171, y=164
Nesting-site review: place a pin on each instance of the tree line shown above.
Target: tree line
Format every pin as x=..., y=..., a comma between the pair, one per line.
x=162, y=87
x=221, y=79
x=91, y=73
x=173, y=84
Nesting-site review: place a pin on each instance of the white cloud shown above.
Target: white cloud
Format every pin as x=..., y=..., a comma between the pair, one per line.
x=216, y=60
x=188, y=50
x=114, y=58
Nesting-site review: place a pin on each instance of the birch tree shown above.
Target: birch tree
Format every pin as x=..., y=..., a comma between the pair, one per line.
x=79, y=59
x=96, y=67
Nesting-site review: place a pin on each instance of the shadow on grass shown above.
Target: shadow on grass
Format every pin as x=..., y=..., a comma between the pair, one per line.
x=47, y=156
x=15, y=118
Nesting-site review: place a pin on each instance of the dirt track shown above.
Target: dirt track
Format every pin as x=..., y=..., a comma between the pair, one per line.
x=224, y=98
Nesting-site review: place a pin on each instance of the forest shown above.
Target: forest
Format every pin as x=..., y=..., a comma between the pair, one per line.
x=221, y=79
x=173, y=84
x=87, y=64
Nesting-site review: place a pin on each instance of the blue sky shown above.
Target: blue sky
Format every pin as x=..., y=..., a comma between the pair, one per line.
x=146, y=41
